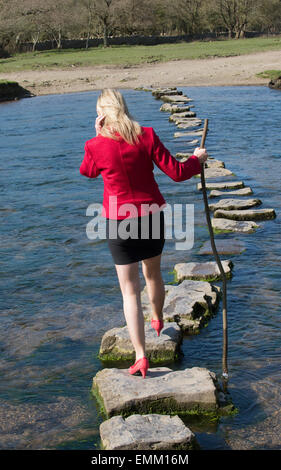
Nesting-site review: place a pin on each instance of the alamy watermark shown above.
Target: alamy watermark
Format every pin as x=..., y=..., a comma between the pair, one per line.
x=178, y=222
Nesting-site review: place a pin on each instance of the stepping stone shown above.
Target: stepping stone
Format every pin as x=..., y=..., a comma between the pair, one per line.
x=146, y=432
x=224, y=246
x=202, y=271
x=116, y=344
x=168, y=92
x=224, y=185
x=234, y=204
x=186, y=125
x=182, y=156
x=174, y=108
x=184, y=134
x=253, y=214
x=226, y=225
x=184, y=117
x=190, y=304
x=215, y=173
x=163, y=391
x=214, y=164
x=238, y=192
x=175, y=99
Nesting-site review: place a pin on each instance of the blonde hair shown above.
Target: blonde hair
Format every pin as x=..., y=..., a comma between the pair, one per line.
x=117, y=117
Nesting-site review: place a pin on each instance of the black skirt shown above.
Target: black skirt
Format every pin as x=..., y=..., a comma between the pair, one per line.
x=146, y=237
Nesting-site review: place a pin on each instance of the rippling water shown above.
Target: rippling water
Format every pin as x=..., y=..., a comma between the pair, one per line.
x=60, y=292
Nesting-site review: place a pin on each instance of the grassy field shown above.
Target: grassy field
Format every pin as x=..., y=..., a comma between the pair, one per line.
x=271, y=74
x=133, y=55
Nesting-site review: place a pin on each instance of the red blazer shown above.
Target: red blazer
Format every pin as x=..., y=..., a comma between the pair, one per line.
x=127, y=171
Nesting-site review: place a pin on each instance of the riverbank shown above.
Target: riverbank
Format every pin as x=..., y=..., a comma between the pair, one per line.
x=215, y=71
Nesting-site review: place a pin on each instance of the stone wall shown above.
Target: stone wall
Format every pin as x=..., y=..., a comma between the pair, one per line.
x=128, y=40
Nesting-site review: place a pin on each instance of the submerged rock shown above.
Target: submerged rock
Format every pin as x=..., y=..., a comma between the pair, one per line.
x=238, y=192
x=253, y=214
x=190, y=304
x=275, y=84
x=208, y=271
x=186, y=134
x=10, y=90
x=224, y=185
x=233, y=204
x=224, y=246
x=116, y=344
x=163, y=391
x=146, y=432
x=226, y=225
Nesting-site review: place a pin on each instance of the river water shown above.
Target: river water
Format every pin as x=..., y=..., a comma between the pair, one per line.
x=59, y=290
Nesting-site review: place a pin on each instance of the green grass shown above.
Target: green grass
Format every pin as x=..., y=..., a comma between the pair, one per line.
x=134, y=55
x=270, y=74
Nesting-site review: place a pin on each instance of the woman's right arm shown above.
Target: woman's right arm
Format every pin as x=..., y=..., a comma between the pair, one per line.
x=177, y=171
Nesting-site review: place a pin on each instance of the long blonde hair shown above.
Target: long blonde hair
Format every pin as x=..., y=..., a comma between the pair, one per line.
x=117, y=117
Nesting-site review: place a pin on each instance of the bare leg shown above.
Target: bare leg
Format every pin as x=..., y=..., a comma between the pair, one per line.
x=129, y=280
x=155, y=285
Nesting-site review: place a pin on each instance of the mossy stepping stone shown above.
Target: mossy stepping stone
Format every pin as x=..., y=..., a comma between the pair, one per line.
x=234, y=204
x=174, y=108
x=175, y=99
x=224, y=185
x=227, y=225
x=208, y=271
x=215, y=173
x=182, y=156
x=190, y=304
x=116, y=344
x=214, y=164
x=167, y=92
x=251, y=214
x=162, y=391
x=186, y=134
x=183, y=116
x=224, y=246
x=146, y=432
x=237, y=192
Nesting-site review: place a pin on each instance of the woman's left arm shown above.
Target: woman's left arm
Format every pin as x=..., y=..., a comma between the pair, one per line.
x=88, y=167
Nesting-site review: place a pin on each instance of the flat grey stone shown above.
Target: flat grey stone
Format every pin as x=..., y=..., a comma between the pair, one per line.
x=208, y=270
x=185, y=134
x=216, y=172
x=167, y=92
x=224, y=246
x=163, y=391
x=251, y=214
x=234, y=225
x=186, y=117
x=189, y=304
x=116, y=343
x=234, y=204
x=214, y=164
x=175, y=99
x=146, y=432
x=237, y=192
x=224, y=185
x=174, y=108
x=182, y=156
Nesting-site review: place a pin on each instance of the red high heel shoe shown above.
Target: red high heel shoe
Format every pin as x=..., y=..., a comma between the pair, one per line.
x=157, y=325
x=141, y=365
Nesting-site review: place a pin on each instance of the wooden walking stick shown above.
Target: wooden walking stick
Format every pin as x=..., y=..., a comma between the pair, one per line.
x=207, y=212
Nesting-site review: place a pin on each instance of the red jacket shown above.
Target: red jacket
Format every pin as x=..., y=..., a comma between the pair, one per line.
x=127, y=171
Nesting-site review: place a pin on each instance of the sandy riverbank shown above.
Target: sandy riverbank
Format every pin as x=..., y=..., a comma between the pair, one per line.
x=218, y=71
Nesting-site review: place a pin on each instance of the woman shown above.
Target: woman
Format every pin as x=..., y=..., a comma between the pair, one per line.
x=124, y=153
